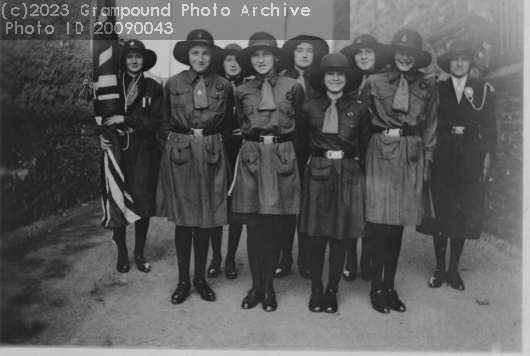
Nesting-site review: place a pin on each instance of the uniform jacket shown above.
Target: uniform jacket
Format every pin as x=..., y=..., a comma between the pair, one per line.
x=267, y=181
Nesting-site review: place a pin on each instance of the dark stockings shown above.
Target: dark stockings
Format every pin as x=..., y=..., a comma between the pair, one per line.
x=440, y=248
x=185, y=238
x=288, y=230
x=216, y=240
x=234, y=235
x=140, y=236
x=263, y=248
x=316, y=246
x=385, y=254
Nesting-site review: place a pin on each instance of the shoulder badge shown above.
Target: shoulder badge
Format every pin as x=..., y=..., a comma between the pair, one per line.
x=350, y=113
x=219, y=87
x=289, y=96
x=423, y=85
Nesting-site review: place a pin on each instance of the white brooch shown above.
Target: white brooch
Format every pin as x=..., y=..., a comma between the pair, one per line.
x=469, y=91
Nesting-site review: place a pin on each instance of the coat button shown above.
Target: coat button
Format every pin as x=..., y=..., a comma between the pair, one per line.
x=248, y=160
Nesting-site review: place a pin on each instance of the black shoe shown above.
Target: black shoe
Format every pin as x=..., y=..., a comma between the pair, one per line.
x=393, y=301
x=379, y=302
x=204, y=290
x=269, y=303
x=123, y=265
x=329, y=303
x=230, y=270
x=252, y=299
x=437, y=279
x=454, y=280
x=142, y=264
x=316, y=301
x=350, y=271
x=283, y=269
x=181, y=293
x=214, y=270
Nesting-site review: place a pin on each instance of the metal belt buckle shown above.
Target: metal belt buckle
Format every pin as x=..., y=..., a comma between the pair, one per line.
x=334, y=154
x=457, y=130
x=393, y=132
x=267, y=140
x=197, y=132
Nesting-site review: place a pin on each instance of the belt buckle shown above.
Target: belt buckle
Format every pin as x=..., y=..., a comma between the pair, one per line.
x=268, y=140
x=457, y=130
x=334, y=154
x=393, y=132
x=197, y=132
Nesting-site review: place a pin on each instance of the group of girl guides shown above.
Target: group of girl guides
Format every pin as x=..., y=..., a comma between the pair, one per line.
x=294, y=140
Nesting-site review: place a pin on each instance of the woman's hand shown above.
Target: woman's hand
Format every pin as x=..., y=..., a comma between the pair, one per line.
x=114, y=119
x=105, y=144
x=427, y=172
x=485, y=175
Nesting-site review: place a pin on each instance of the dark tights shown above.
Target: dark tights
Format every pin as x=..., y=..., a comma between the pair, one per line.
x=288, y=231
x=140, y=236
x=185, y=238
x=216, y=240
x=316, y=246
x=263, y=246
x=385, y=254
x=440, y=248
x=366, y=252
x=234, y=235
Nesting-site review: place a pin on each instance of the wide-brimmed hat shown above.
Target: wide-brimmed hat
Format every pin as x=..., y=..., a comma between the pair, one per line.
x=457, y=48
x=335, y=62
x=382, y=57
x=410, y=39
x=230, y=50
x=320, y=49
x=196, y=38
x=258, y=41
x=135, y=46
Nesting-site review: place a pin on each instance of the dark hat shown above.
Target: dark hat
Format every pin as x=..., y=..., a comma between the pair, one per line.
x=320, y=48
x=196, y=38
x=335, y=62
x=457, y=48
x=411, y=39
x=232, y=49
x=135, y=46
x=382, y=57
x=258, y=41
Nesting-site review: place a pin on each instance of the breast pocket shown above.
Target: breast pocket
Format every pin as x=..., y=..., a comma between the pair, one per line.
x=348, y=126
x=417, y=102
x=286, y=114
x=216, y=101
x=284, y=160
x=383, y=98
x=180, y=150
x=179, y=97
x=320, y=168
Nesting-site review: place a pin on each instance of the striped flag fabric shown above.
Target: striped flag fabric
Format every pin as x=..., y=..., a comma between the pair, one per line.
x=117, y=203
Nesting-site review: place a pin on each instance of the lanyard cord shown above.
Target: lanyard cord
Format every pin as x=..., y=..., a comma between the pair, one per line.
x=124, y=90
x=469, y=97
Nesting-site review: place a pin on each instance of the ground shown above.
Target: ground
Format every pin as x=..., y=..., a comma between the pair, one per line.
x=60, y=288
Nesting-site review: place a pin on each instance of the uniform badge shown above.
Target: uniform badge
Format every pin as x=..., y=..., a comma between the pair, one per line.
x=404, y=39
x=468, y=91
x=359, y=40
x=131, y=44
x=289, y=96
x=199, y=35
x=219, y=87
x=423, y=85
x=350, y=114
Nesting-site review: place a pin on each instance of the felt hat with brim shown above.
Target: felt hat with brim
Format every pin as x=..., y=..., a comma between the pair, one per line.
x=335, y=62
x=457, y=48
x=135, y=46
x=230, y=50
x=411, y=40
x=320, y=49
x=198, y=37
x=382, y=57
x=261, y=41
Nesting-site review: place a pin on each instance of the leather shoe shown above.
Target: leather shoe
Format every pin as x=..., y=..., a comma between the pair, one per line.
x=123, y=265
x=230, y=270
x=252, y=299
x=269, y=303
x=315, y=302
x=393, y=301
x=284, y=269
x=454, y=280
x=142, y=264
x=379, y=302
x=329, y=303
x=204, y=290
x=181, y=293
x=437, y=279
x=214, y=270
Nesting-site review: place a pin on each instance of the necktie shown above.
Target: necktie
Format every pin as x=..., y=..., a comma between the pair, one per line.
x=331, y=119
x=401, y=99
x=301, y=80
x=266, y=100
x=199, y=95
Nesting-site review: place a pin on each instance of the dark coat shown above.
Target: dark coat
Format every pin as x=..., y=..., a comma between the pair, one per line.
x=458, y=196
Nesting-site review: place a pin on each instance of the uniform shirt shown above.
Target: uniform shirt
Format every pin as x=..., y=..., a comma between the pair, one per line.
x=309, y=92
x=179, y=110
x=379, y=92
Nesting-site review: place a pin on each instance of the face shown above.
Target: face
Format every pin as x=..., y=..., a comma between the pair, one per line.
x=303, y=56
x=200, y=57
x=335, y=81
x=231, y=66
x=365, y=59
x=134, y=62
x=459, y=66
x=263, y=61
x=404, y=60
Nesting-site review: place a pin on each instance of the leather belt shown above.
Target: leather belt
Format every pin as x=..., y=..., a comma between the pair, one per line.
x=196, y=132
x=457, y=130
x=403, y=131
x=333, y=154
x=267, y=140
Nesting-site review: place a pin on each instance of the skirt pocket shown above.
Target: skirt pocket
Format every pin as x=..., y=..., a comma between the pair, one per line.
x=180, y=152
x=413, y=148
x=249, y=159
x=320, y=168
x=213, y=150
x=284, y=159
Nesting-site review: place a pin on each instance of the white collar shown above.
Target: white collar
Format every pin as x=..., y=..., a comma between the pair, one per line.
x=459, y=81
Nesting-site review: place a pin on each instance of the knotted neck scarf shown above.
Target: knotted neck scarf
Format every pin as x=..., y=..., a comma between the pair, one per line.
x=266, y=99
x=300, y=79
x=200, y=98
x=401, y=99
x=331, y=119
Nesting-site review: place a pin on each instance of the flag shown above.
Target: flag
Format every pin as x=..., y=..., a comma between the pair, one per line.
x=117, y=203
